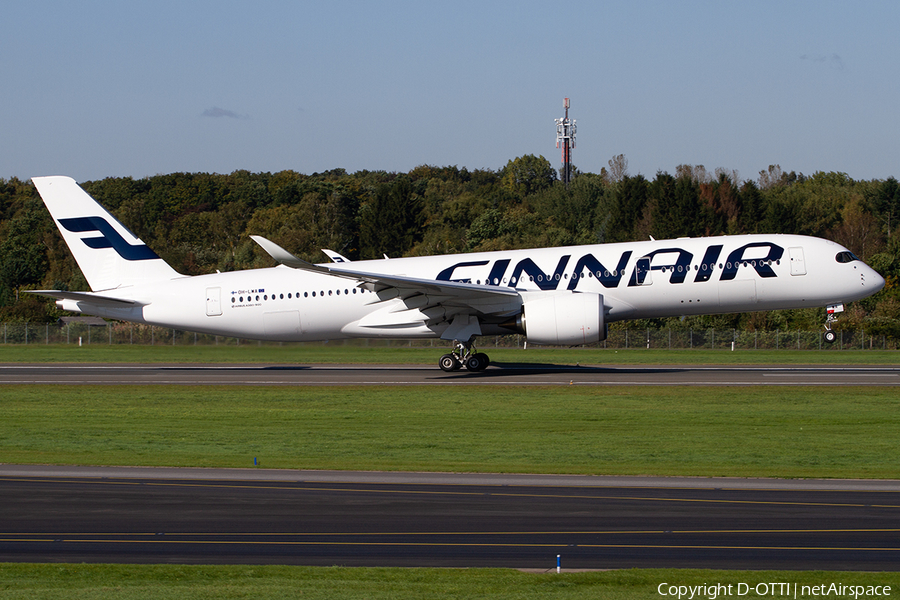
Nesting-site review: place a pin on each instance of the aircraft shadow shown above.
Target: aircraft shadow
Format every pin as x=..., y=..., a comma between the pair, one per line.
x=501, y=369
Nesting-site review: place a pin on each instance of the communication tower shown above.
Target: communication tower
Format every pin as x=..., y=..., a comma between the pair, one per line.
x=565, y=139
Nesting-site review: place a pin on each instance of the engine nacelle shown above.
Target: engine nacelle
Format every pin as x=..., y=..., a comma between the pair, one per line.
x=565, y=319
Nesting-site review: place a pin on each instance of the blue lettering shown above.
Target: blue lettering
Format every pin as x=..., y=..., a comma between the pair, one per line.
x=736, y=259
x=447, y=273
x=607, y=278
x=543, y=281
x=709, y=263
x=497, y=272
x=679, y=269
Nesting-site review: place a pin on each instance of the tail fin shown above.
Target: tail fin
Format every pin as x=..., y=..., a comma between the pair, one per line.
x=109, y=255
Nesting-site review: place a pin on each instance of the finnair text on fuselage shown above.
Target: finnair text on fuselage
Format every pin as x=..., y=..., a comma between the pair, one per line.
x=676, y=261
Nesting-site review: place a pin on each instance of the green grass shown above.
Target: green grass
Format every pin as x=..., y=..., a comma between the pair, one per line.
x=251, y=352
x=753, y=432
x=125, y=582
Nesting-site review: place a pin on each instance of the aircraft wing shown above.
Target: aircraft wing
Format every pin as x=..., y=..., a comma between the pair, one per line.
x=484, y=299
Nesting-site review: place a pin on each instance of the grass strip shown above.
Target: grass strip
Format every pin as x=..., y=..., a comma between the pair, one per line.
x=126, y=582
x=336, y=352
x=819, y=432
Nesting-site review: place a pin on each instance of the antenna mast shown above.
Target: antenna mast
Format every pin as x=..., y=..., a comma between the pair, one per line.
x=565, y=139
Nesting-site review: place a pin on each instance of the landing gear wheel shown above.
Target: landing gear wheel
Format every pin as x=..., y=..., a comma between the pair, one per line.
x=449, y=363
x=478, y=362
x=831, y=315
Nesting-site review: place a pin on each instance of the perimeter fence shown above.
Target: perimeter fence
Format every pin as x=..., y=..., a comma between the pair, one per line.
x=117, y=333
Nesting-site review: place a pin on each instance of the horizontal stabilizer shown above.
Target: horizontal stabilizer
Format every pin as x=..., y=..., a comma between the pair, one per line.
x=86, y=298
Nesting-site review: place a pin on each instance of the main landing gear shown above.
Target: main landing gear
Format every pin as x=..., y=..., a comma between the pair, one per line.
x=831, y=310
x=464, y=354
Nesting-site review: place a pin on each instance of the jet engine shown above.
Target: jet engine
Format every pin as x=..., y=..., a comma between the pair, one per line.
x=563, y=320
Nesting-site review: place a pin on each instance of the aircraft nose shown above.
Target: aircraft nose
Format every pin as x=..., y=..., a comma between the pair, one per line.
x=874, y=280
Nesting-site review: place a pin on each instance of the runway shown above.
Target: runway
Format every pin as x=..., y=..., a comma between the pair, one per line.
x=65, y=514
x=520, y=374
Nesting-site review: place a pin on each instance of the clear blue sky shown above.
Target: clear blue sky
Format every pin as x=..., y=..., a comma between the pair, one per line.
x=93, y=89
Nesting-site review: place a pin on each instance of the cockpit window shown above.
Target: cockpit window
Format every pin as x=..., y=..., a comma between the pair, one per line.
x=845, y=257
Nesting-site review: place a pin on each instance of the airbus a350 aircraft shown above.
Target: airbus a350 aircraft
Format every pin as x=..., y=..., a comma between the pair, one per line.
x=556, y=296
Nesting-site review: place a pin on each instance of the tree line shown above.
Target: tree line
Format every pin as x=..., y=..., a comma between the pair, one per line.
x=200, y=222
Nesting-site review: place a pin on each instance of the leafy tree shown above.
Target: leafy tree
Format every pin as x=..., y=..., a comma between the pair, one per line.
x=662, y=207
x=391, y=221
x=752, y=209
x=686, y=215
x=528, y=174
x=570, y=209
x=631, y=198
x=885, y=205
x=23, y=256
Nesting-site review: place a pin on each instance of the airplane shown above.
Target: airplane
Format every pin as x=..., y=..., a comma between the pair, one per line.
x=564, y=296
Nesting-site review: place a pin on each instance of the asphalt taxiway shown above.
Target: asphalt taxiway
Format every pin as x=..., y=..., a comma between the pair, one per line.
x=63, y=514
x=518, y=374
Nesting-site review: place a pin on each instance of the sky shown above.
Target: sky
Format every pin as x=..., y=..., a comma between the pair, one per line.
x=95, y=89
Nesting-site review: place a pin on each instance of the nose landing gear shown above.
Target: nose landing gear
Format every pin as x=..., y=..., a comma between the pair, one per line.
x=464, y=354
x=831, y=310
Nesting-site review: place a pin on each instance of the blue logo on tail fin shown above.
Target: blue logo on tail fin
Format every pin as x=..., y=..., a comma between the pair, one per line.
x=110, y=238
